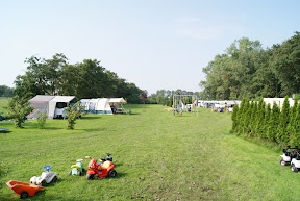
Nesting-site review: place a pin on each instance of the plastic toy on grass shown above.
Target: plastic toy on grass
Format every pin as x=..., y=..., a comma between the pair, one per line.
x=108, y=157
x=295, y=163
x=101, y=169
x=46, y=177
x=77, y=169
x=24, y=189
x=288, y=154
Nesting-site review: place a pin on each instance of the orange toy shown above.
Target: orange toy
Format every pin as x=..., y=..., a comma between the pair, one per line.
x=24, y=189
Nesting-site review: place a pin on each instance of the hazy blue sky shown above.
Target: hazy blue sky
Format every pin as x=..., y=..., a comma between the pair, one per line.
x=156, y=44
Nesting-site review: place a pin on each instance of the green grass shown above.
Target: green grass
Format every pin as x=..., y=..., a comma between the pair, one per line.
x=158, y=157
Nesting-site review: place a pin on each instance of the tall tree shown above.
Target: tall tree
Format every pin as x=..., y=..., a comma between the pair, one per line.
x=284, y=119
x=285, y=62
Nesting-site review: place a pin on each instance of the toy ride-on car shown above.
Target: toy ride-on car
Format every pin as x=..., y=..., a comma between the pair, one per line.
x=288, y=154
x=77, y=169
x=46, y=177
x=295, y=163
x=101, y=169
x=24, y=189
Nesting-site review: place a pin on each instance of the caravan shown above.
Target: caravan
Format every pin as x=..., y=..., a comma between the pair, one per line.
x=53, y=106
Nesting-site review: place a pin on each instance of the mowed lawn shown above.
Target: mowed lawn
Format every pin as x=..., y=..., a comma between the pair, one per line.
x=158, y=157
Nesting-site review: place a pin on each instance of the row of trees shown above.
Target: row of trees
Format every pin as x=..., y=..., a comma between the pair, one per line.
x=6, y=91
x=246, y=70
x=165, y=97
x=86, y=79
x=275, y=125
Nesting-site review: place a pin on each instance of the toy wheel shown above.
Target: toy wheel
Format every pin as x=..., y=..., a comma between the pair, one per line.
x=294, y=169
x=89, y=176
x=24, y=195
x=44, y=183
x=112, y=173
x=70, y=173
x=282, y=163
x=79, y=173
x=54, y=179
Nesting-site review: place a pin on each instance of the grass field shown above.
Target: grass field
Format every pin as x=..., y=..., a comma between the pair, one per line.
x=158, y=157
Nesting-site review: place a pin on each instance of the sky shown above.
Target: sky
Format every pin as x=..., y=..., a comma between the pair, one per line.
x=155, y=44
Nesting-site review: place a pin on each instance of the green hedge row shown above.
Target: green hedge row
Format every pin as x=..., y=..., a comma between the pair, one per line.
x=255, y=119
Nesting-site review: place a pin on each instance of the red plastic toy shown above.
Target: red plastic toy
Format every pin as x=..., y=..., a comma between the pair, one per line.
x=24, y=189
x=102, y=170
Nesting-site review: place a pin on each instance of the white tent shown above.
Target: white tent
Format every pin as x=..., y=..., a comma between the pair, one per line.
x=117, y=104
x=85, y=103
x=96, y=106
x=102, y=106
x=116, y=100
x=39, y=103
x=52, y=105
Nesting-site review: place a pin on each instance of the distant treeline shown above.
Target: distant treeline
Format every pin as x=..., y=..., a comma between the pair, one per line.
x=6, y=91
x=86, y=79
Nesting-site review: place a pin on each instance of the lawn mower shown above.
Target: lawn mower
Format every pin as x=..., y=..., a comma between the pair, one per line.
x=101, y=169
x=78, y=168
x=288, y=154
x=46, y=177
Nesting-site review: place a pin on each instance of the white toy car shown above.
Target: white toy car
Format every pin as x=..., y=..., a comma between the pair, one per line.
x=295, y=163
x=46, y=177
x=288, y=154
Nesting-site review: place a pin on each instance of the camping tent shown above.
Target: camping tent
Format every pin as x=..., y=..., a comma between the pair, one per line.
x=53, y=106
x=85, y=103
x=96, y=106
x=39, y=103
x=104, y=106
x=117, y=104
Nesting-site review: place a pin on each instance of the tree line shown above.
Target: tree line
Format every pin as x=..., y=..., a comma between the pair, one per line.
x=255, y=119
x=6, y=91
x=246, y=70
x=86, y=79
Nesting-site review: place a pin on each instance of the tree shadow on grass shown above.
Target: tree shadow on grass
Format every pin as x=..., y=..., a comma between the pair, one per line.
x=135, y=113
x=91, y=129
x=83, y=118
x=36, y=127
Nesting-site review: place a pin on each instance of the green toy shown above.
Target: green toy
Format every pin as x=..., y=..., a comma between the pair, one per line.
x=77, y=169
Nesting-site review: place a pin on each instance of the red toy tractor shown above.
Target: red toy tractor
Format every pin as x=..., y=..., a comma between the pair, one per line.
x=101, y=169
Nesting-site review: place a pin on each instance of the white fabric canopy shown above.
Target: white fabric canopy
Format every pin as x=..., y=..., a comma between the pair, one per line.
x=116, y=100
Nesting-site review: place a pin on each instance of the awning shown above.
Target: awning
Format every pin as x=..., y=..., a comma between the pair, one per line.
x=116, y=100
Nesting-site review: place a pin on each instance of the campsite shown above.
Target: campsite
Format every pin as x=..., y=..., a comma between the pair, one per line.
x=158, y=156
x=53, y=106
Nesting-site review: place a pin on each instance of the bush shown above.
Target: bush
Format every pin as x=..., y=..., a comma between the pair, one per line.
x=41, y=118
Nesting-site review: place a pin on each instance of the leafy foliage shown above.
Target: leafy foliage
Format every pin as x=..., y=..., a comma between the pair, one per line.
x=73, y=113
x=234, y=118
x=41, y=118
x=284, y=119
x=246, y=70
x=6, y=91
x=86, y=79
x=19, y=110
